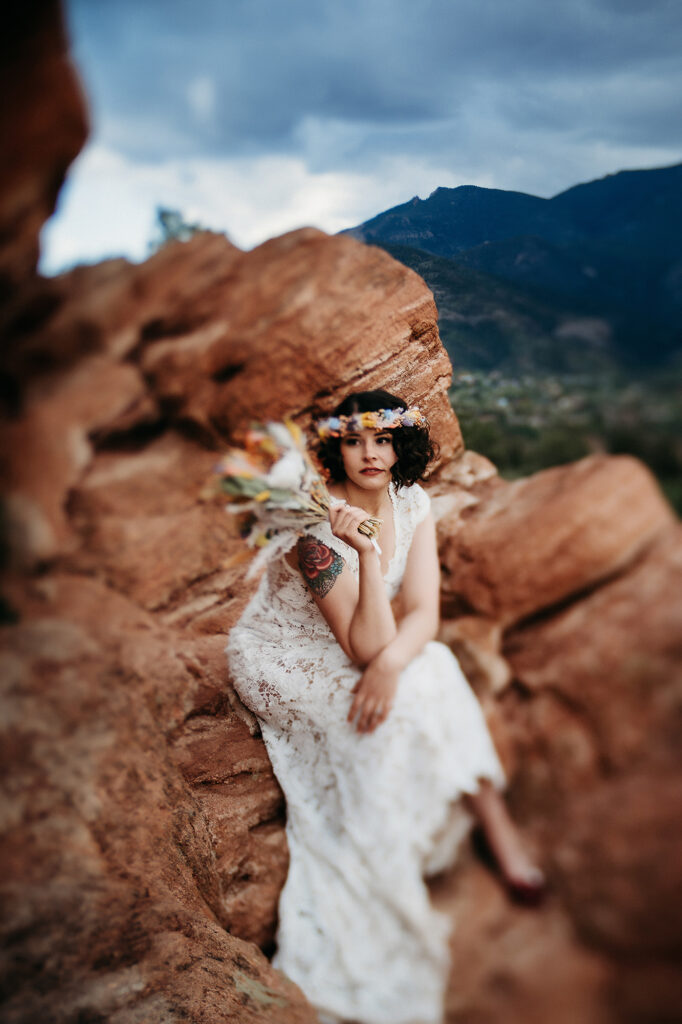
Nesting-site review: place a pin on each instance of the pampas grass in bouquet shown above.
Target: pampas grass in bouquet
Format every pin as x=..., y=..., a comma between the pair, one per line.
x=272, y=484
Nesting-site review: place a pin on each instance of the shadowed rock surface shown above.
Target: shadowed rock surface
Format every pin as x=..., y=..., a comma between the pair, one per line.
x=143, y=842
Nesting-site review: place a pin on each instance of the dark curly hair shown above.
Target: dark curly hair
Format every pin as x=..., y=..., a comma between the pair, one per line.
x=412, y=445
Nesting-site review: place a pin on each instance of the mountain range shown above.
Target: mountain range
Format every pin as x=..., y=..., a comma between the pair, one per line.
x=591, y=278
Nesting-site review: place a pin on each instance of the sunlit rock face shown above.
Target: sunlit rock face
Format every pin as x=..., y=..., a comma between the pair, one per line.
x=144, y=846
x=573, y=526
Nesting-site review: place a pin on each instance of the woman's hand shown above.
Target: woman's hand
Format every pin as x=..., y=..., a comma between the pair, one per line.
x=374, y=695
x=344, y=520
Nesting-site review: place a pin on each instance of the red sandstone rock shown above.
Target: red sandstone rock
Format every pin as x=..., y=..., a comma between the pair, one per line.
x=603, y=865
x=614, y=657
x=42, y=125
x=109, y=881
x=235, y=787
x=53, y=434
x=118, y=501
x=476, y=642
x=533, y=971
x=530, y=544
x=280, y=310
x=205, y=325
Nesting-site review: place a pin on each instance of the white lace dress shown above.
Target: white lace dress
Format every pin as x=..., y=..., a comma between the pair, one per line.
x=368, y=815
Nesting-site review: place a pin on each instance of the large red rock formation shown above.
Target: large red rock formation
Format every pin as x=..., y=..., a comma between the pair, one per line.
x=537, y=541
x=205, y=338
x=43, y=126
x=584, y=698
x=144, y=848
x=105, y=462
x=118, y=581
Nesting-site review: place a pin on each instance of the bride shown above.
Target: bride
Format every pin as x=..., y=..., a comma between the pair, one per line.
x=373, y=732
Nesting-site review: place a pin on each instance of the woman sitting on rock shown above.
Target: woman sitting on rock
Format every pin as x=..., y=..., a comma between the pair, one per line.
x=377, y=740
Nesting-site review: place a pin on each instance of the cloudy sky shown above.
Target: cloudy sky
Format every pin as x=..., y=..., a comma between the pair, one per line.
x=257, y=116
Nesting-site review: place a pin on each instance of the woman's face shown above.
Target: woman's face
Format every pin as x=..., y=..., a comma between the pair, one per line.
x=367, y=458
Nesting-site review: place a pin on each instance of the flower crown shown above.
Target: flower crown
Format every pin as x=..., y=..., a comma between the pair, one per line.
x=382, y=419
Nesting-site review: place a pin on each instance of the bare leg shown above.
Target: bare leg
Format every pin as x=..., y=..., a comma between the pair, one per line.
x=503, y=836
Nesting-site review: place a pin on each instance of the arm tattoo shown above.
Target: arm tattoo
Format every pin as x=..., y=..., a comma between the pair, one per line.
x=319, y=564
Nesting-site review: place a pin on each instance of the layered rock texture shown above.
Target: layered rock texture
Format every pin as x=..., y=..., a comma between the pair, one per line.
x=144, y=846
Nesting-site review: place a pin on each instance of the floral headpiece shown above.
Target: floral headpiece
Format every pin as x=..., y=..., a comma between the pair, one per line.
x=381, y=419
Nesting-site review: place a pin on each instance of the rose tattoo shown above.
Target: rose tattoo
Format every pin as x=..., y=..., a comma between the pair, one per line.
x=319, y=564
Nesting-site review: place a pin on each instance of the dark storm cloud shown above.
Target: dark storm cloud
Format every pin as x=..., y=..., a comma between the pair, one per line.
x=271, y=77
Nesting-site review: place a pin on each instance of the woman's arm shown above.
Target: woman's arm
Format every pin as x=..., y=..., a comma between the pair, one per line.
x=358, y=611
x=373, y=624
x=420, y=599
x=421, y=595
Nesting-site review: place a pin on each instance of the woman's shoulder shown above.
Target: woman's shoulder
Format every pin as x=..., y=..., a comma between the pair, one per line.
x=414, y=501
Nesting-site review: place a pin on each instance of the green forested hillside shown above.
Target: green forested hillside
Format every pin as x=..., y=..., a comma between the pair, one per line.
x=529, y=422
x=487, y=323
x=607, y=253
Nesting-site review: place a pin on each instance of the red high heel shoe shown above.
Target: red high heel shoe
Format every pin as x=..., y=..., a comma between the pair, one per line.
x=530, y=891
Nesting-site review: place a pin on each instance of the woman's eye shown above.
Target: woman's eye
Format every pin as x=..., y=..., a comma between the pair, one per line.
x=384, y=440
x=350, y=442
